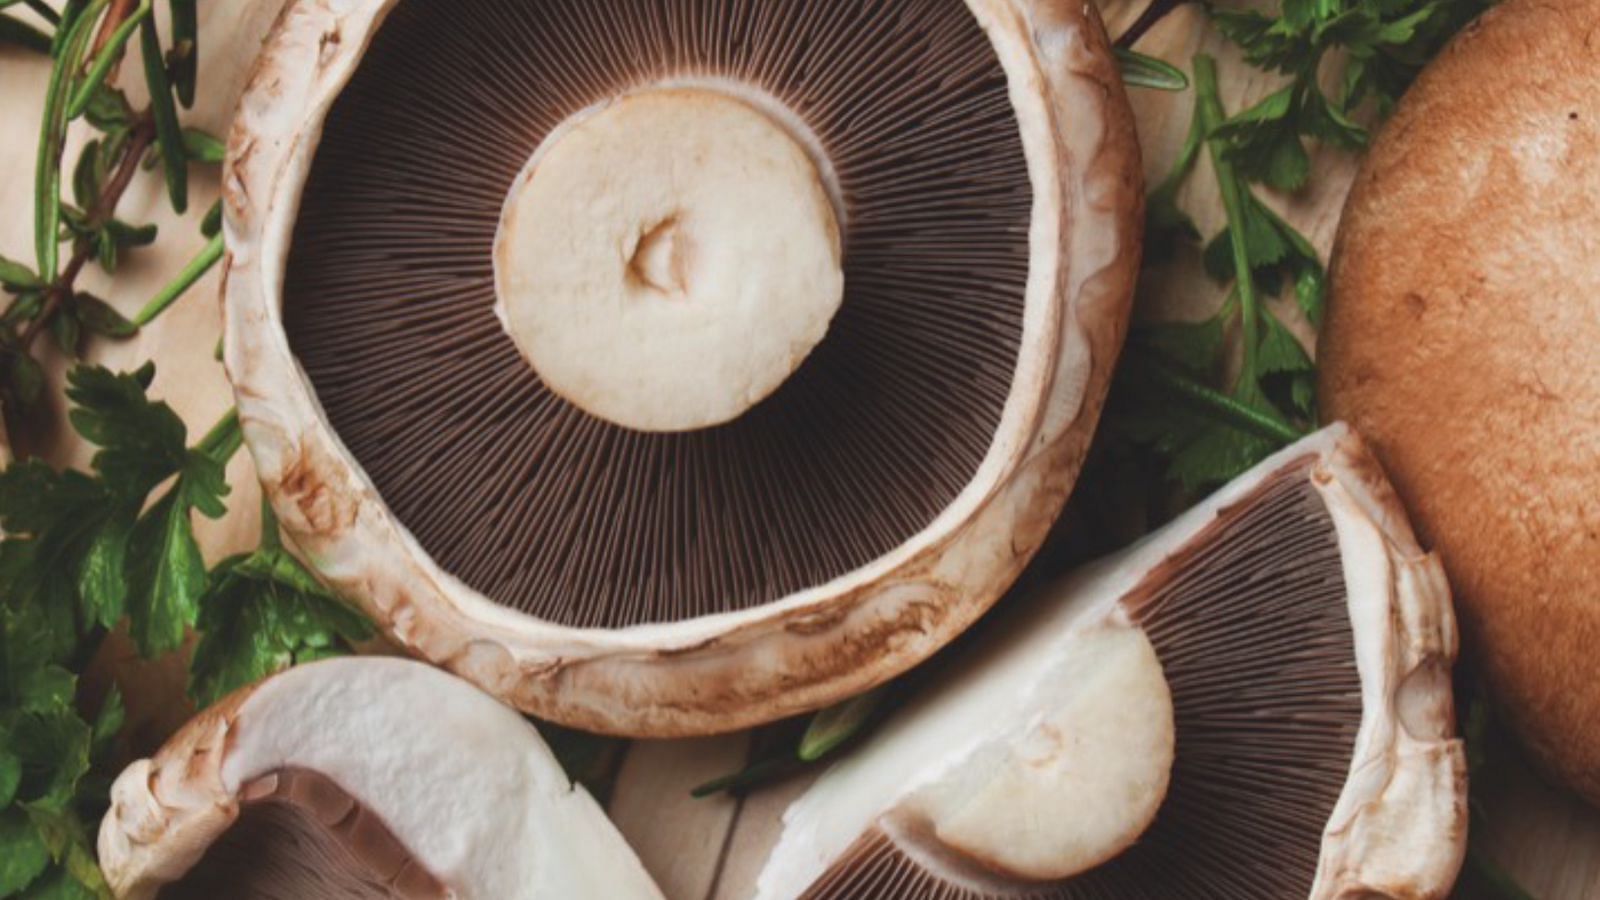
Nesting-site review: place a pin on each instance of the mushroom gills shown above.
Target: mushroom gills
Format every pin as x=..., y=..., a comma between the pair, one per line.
x=361, y=778
x=1247, y=607
x=918, y=280
x=298, y=836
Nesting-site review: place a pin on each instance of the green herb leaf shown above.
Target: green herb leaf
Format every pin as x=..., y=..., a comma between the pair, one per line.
x=211, y=225
x=167, y=573
x=108, y=723
x=833, y=727
x=1141, y=71
x=10, y=773
x=753, y=775
x=184, y=60
x=110, y=54
x=23, y=855
x=54, y=749
x=142, y=442
x=101, y=318
x=108, y=109
x=202, y=147
x=169, y=134
x=102, y=575
x=261, y=614
x=16, y=276
x=47, y=173
x=24, y=378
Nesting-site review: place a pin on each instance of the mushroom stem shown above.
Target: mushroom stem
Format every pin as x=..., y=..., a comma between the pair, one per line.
x=1079, y=782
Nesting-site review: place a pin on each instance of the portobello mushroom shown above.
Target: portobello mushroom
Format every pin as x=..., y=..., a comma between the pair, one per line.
x=670, y=367
x=1253, y=703
x=360, y=778
x=1461, y=337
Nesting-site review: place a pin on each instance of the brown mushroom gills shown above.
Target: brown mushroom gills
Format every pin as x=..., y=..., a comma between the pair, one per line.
x=300, y=836
x=389, y=301
x=1253, y=630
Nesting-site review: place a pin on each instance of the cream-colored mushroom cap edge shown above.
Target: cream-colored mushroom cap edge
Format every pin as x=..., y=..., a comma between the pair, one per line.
x=1302, y=644
x=802, y=595
x=361, y=777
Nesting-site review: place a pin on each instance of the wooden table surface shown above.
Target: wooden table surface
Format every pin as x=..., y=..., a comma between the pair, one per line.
x=695, y=848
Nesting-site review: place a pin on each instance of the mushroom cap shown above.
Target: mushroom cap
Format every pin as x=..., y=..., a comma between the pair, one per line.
x=1307, y=641
x=784, y=637
x=384, y=776
x=1461, y=340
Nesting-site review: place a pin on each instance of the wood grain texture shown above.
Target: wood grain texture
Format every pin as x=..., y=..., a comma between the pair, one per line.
x=698, y=850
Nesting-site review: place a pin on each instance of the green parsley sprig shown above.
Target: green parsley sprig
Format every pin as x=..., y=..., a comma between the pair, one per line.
x=88, y=552
x=85, y=553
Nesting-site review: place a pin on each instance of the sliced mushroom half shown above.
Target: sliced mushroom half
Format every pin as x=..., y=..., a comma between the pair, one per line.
x=670, y=367
x=1254, y=703
x=360, y=778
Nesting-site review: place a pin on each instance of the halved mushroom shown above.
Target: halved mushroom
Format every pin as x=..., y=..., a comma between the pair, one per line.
x=672, y=367
x=1283, y=652
x=377, y=778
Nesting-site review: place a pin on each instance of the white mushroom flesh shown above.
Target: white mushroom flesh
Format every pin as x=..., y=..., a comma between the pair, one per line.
x=668, y=260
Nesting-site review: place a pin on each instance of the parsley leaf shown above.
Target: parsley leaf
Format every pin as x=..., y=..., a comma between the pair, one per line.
x=1385, y=44
x=262, y=613
x=23, y=856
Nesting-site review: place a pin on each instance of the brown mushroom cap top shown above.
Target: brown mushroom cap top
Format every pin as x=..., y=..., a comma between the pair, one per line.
x=1464, y=341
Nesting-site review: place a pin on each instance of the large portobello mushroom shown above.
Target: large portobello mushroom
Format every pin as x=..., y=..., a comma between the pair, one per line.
x=671, y=367
x=1463, y=337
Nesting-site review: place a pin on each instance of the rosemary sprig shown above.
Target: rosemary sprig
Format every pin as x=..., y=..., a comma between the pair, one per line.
x=47, y=182
x=165, y=112
x=105, y=59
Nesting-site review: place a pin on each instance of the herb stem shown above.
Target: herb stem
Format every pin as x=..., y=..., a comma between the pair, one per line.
x=1208, y=107
x=52, y=140
x=224, y=438
x=106, y=57
x=1236, y=414
x=193, y=272
x=139, y=140
x=118, y=13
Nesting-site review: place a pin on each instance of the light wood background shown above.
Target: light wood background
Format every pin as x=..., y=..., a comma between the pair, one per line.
x=697, y=849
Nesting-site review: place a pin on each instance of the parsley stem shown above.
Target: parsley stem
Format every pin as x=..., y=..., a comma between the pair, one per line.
x=1238, y=415
x=224, y=438
x=1208, y=107
x=193, y=272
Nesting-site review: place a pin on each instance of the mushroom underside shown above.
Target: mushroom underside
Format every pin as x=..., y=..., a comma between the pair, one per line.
x=363, y=778
x=389, y=299
x=1251, y=622
x=299, y=835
